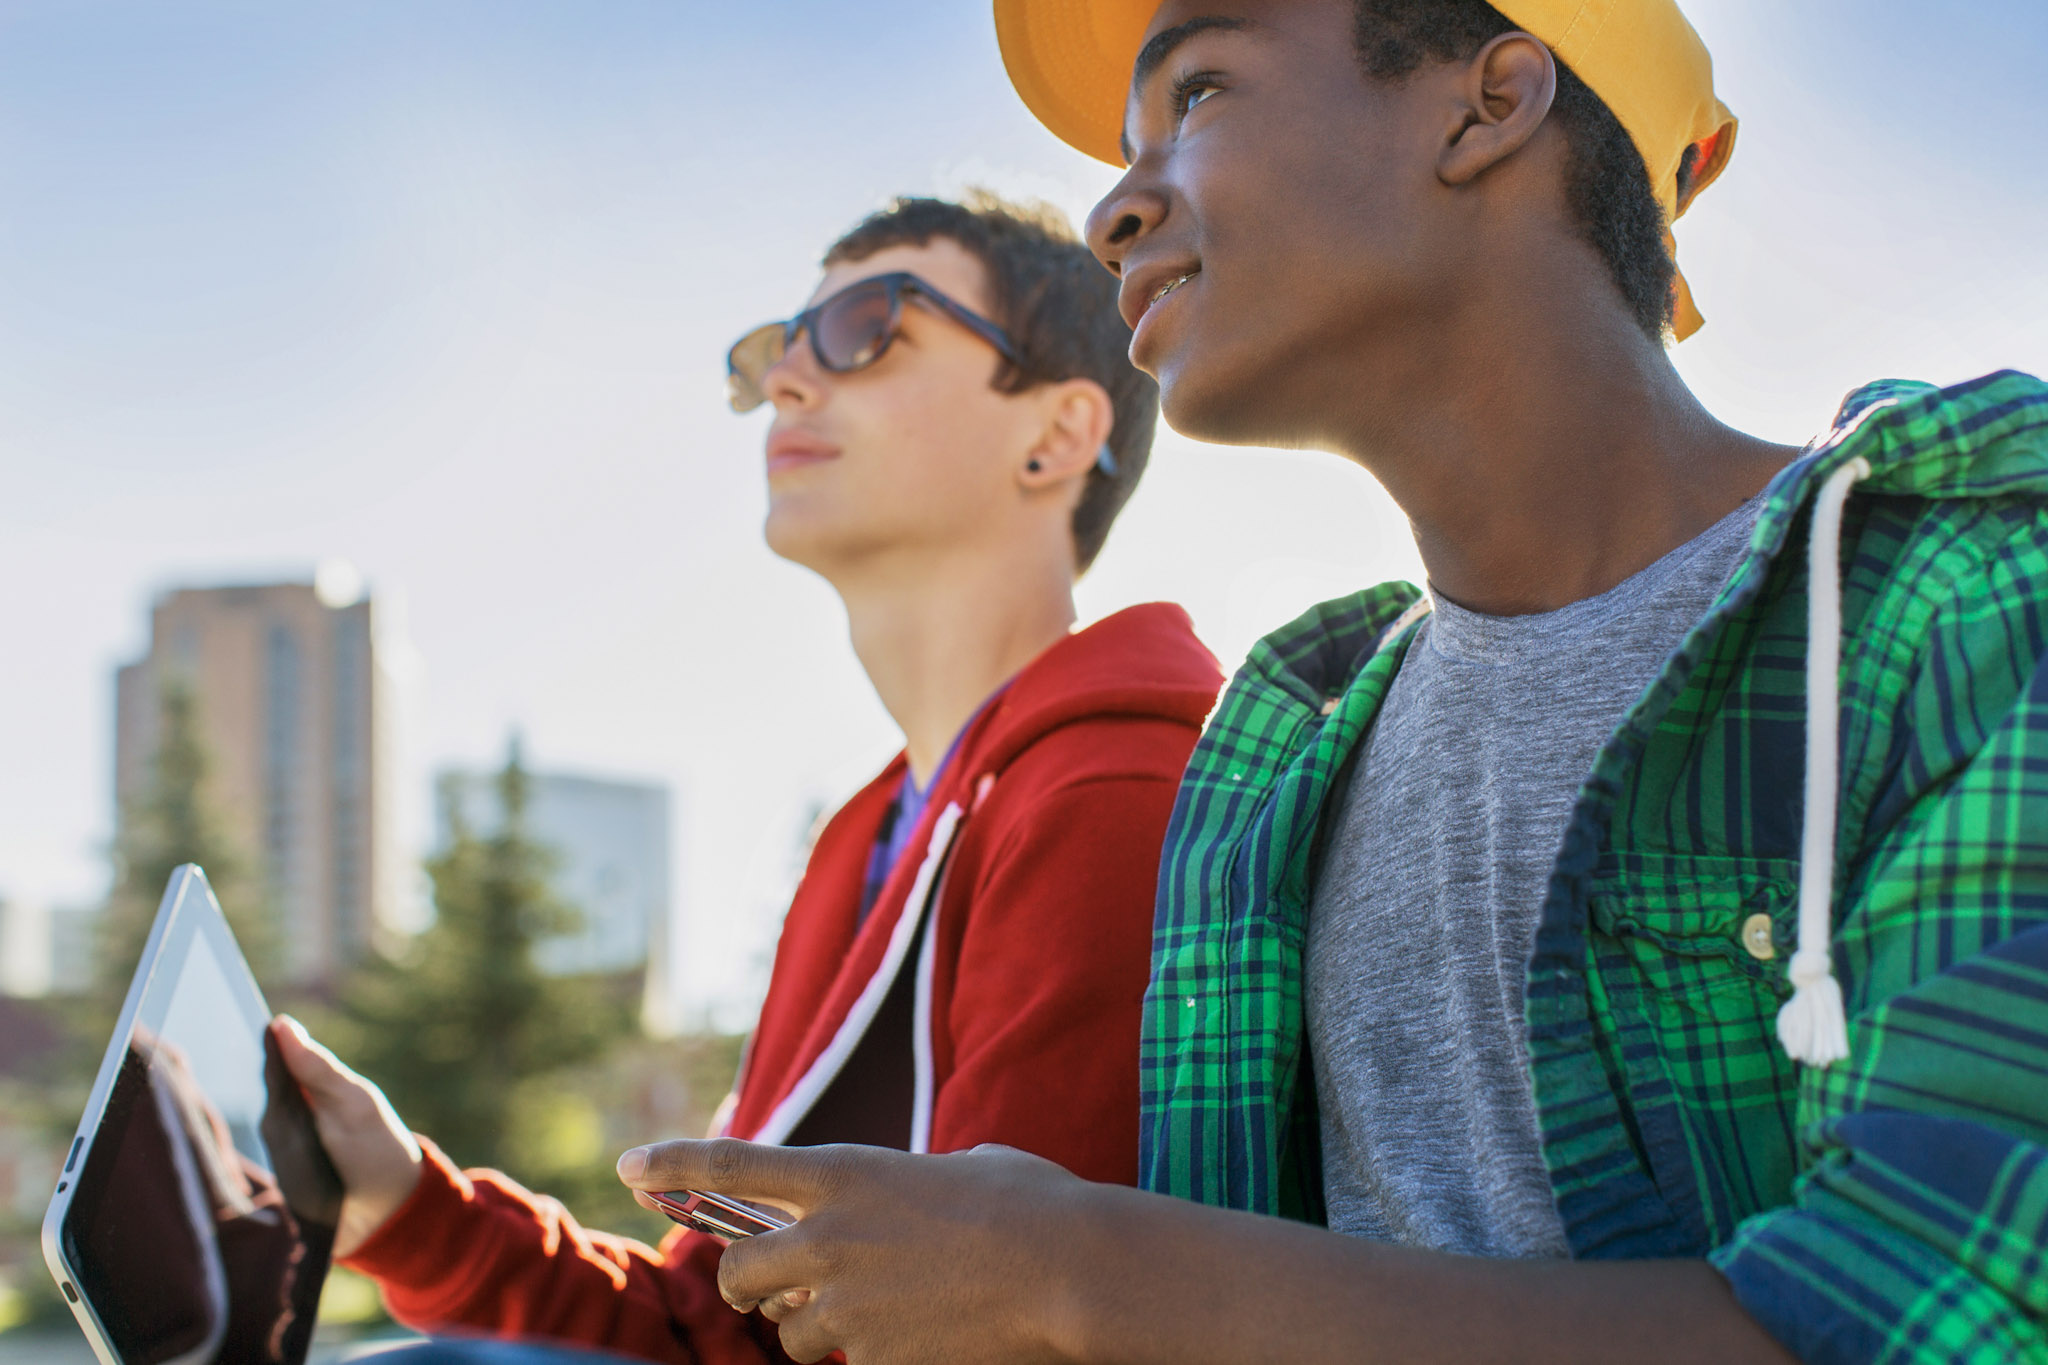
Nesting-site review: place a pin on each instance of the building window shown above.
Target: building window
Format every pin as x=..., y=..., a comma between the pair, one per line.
x=282, y=759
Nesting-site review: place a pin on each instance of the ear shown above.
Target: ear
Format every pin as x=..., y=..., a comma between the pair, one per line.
x=1076, y=416
x=1503, y=95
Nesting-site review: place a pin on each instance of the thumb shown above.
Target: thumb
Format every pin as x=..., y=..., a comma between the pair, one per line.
x=794, y=1178
x=316, y=1069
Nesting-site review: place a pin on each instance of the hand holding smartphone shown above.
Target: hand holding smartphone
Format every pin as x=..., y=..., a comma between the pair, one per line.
x=715, y=1215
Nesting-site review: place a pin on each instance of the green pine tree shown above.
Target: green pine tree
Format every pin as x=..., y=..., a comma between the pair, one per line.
x=170, y=824
x=463, y=1030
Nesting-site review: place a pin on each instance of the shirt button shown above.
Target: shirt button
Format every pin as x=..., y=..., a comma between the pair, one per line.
x=1756, y=936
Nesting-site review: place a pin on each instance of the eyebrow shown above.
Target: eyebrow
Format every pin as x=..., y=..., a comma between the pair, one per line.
x=1155, y=52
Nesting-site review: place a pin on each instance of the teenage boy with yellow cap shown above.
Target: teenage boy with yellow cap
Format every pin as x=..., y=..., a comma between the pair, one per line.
x=1735, y=1047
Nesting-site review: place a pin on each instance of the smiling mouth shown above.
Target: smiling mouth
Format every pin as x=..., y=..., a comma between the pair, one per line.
x=1170, y=286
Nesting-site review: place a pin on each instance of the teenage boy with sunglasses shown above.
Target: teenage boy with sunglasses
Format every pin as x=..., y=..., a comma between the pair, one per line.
x=1639, y=944
x=956, y=426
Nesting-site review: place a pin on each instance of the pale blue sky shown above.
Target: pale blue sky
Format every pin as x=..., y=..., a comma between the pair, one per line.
x=443, y=288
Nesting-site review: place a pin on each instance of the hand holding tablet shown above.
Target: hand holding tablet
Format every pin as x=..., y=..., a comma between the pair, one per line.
x=196, y=1212
x=376, y=1155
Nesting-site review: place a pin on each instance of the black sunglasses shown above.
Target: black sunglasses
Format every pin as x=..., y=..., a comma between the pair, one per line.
x=849, y=331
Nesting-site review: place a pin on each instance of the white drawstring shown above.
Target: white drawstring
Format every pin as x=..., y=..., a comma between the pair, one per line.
x=1813, y=1026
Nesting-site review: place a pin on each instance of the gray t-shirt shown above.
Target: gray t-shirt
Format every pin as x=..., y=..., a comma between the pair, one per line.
x=1426, y=904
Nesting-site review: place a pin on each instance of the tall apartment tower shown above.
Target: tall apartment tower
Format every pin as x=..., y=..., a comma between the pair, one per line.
x=295, y=708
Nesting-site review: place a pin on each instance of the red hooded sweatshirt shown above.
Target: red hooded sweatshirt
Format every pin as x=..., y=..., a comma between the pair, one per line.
x=991, y=994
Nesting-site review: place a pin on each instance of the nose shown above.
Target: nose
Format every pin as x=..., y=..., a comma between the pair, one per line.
x=794, y=383
x=1124, y=216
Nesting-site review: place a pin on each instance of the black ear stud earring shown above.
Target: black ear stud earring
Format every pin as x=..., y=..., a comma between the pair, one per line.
x=1032, y=466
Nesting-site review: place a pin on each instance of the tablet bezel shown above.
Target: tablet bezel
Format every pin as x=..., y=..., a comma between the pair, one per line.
x=187, y=910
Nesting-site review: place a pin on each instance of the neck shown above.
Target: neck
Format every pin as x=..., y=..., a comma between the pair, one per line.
x=1543, y=463
x=936, y=638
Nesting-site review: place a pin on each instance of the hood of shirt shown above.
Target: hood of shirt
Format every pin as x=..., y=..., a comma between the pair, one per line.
x=1141, y=661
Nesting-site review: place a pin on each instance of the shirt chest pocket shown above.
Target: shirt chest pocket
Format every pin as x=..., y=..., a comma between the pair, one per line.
x=1692, y=921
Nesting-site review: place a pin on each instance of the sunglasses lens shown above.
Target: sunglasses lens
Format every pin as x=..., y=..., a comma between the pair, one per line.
x=854, y=326
x=746, y=363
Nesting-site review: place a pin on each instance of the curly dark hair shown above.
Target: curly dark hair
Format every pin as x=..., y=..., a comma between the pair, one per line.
x=1059, y=305
x=1606, y=184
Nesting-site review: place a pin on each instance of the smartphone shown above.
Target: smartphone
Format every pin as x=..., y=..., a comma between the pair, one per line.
x=726, y=1219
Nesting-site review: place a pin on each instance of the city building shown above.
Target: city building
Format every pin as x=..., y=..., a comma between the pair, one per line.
x=72, y=931
x=612, y=840
x=25, y=949
x=45, y=949
x=294, y=704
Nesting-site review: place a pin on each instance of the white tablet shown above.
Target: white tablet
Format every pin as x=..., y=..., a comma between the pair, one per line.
x=195, y=1213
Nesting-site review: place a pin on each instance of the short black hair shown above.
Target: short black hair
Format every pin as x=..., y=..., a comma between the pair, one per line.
x=1047, y=290
x=1607, y=185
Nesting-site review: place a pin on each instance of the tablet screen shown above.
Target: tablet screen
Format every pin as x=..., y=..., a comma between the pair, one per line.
x=205, y=1207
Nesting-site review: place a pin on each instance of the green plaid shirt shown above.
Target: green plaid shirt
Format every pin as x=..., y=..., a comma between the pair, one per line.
x=1893, y=1207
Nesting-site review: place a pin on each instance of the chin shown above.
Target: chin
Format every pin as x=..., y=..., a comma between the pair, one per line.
x=792, y=537
x=1254, y=387
x=1224, y=413
x=831, y=546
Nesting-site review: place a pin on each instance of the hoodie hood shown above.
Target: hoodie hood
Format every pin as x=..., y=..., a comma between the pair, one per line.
x=1142, y=661
x=1985, y=438
x=1981, y=439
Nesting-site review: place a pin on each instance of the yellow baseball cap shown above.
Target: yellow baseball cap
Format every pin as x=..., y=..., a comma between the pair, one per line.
x=1071, y=62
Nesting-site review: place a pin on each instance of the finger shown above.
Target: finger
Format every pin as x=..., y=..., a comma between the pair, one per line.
x=794, y=1178
x=307, y=1060
x=781, y=1307
x=321, y=1072
x=770, y=1272
x=805, y=1337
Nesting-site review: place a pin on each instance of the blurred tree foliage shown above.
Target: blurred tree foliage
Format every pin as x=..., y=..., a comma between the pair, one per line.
x=168, y=825
x=462, y=1029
